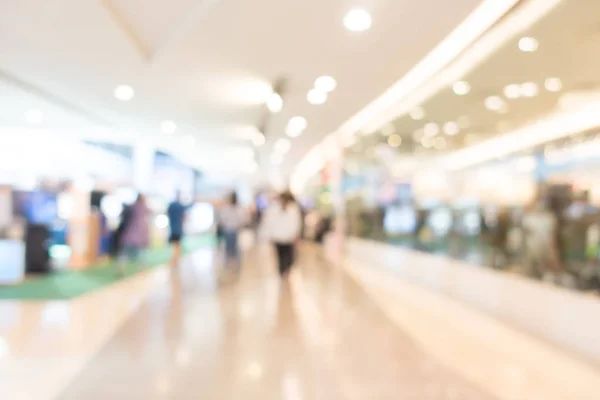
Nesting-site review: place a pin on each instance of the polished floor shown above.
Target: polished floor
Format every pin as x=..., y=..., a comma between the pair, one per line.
x=199, y=332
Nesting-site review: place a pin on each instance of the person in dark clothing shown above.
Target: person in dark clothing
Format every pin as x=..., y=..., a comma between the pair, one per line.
x=176, y=214
x=499, y=240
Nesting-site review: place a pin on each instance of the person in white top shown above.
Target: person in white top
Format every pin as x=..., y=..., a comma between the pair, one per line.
x=283, y=224
x=232, y=219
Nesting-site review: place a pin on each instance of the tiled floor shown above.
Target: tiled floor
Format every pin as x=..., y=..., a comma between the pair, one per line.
x=196, y=333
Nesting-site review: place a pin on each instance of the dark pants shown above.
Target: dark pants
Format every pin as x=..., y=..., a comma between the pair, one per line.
x=285, y=256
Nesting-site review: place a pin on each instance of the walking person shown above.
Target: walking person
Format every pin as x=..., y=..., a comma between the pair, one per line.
x=231, y=219
x=283, y=226
x=176, y=214
x=136, y=234
x=499, y=241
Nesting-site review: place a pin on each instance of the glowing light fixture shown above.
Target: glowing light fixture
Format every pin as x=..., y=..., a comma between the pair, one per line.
x=529, y=89
x=553, y=84
x=34, y=117
x=427, y=142
x=358, y=20
x=431, y=129
x=275, y=103
x=528, y=44
x=461, y=88
x=417, y=113
x=512, y=91
x=451, y=128
x=295, y=126
x=168, y=127
x=124, y=92
x=325, y=84
x=395, y=140
x=494, y=103
x=316, y=96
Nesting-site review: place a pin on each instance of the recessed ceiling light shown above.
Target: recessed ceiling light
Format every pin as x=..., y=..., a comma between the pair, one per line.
x=388, y=129
x=512, y=91
x=275, y=103
x=451, y=128
x=553, y=84
x=395, y=140
x=358, y=20
x=439, y=143
x=529, y=89
x=168, y=127
x=124, y=92
x=296, y=126
x=431, y=129
x=326, y=84
x=427, y=142
x=461, y=88
x=34, y=117
x=417, y=113
x=528, y=44
x=494, y=103
x=316, y=96
x=282, y=146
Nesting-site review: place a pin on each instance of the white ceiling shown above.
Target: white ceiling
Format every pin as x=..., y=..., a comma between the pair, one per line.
x=208, y=65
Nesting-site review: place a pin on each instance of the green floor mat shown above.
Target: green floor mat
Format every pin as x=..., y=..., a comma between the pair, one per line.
x=70, y=284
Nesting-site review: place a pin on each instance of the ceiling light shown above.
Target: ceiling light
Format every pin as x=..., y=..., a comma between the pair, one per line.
x=282, y=146
x=316, y=96
x=168, y=127
x=427, y=142
x=417, y=113
x=358, y=20
x=529, y=89
x=528, y=44
x=395, y=140
x=431, y=129
x=258, y=138
x=461, y=88
x=494, y=103
x=326, y=84
x=512, y=91
x=295, y=126
x=439, y=143
x=124, y=92
x=388, y=129
x=34, y=117
x=275, y=103
x=451, y=128
x=553, y=84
